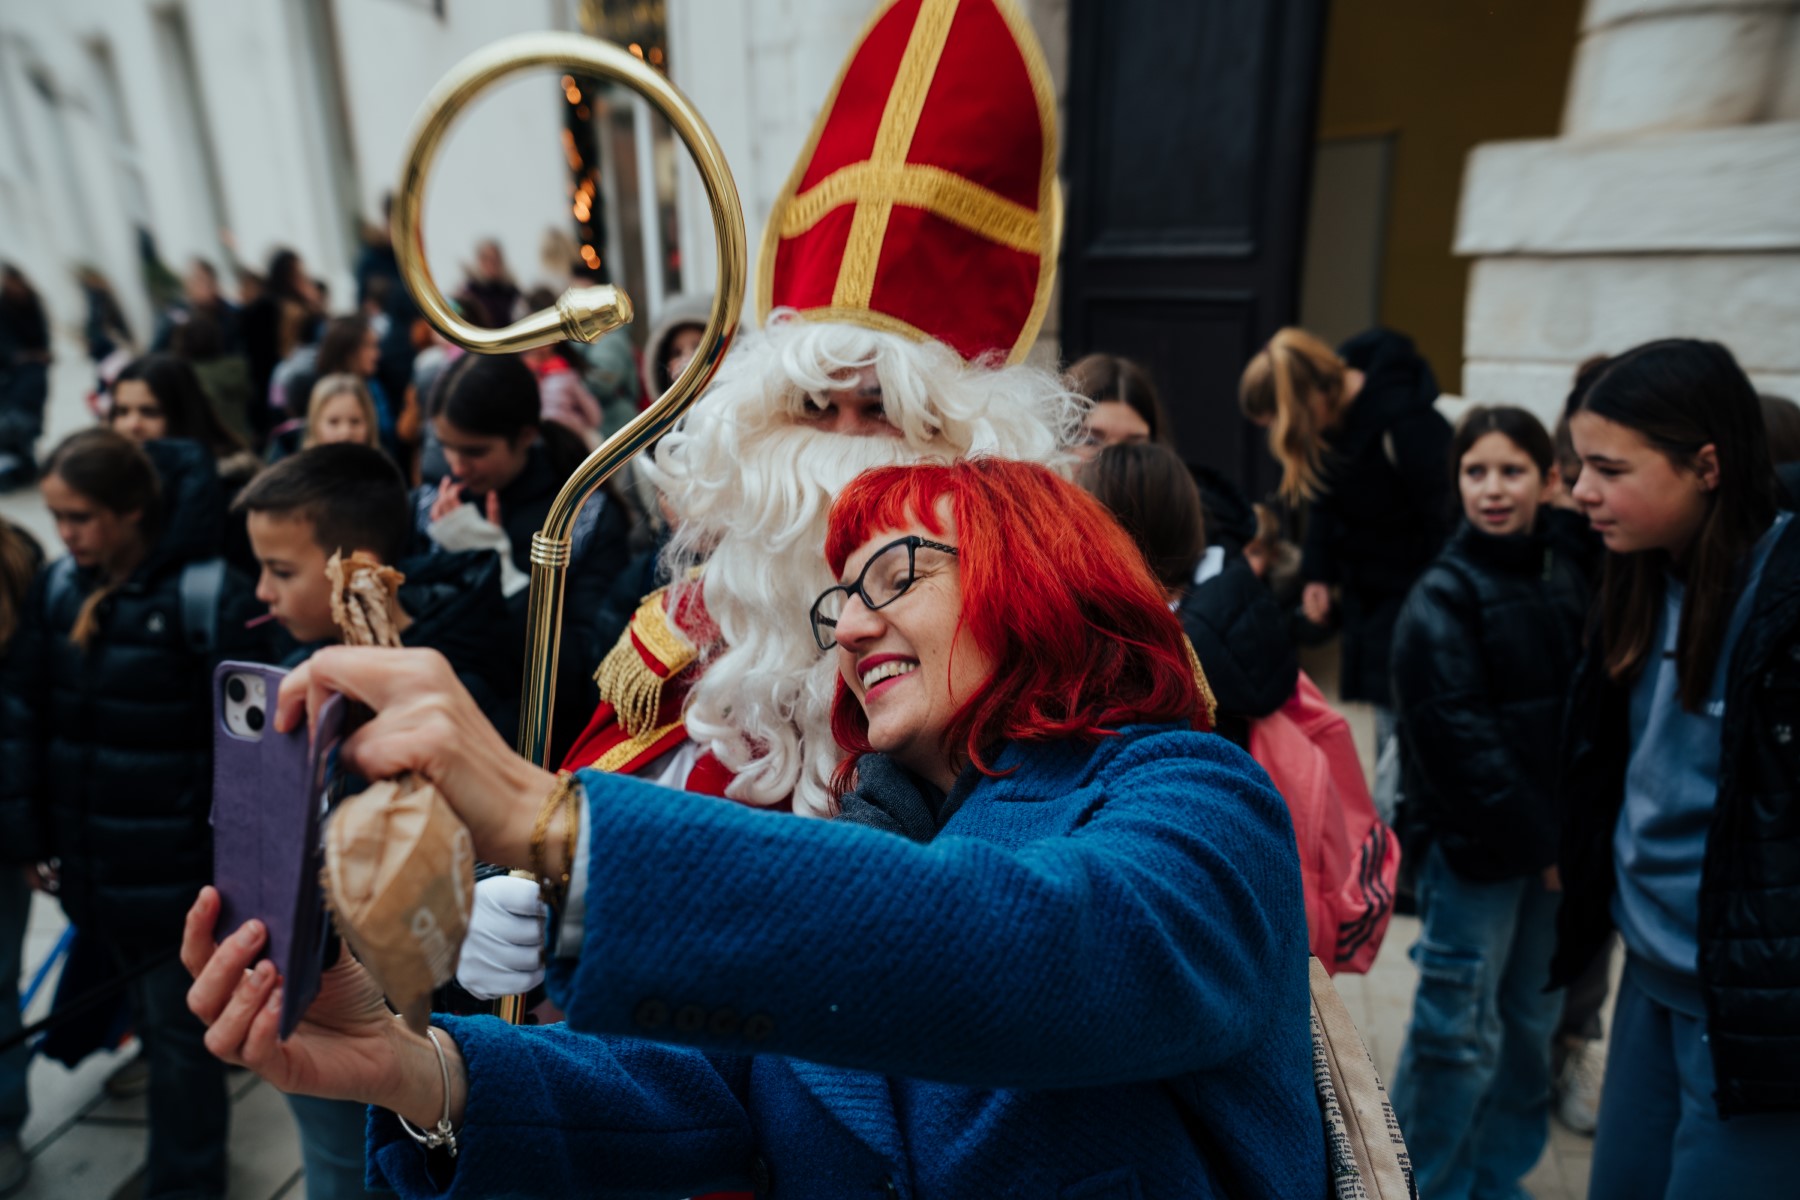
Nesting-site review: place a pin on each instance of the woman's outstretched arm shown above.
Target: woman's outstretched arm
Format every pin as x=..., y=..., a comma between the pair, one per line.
x=1142, y=925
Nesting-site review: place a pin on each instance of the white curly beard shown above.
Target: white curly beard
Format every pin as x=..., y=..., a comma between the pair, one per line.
x=752, y=489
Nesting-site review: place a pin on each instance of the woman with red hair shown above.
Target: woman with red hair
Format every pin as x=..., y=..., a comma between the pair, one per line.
x=1080, y=969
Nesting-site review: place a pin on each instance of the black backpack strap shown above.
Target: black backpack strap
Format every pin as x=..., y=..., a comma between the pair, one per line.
x=202, y=583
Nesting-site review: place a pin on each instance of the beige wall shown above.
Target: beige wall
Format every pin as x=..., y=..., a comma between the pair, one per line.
x=1439, y=78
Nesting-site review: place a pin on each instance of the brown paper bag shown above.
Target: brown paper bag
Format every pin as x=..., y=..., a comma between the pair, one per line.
x=399, y=874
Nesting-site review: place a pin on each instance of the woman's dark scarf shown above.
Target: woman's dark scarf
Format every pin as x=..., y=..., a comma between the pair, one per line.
x=888, y=796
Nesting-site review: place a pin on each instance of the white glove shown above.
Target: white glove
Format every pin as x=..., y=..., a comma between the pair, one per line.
x=504, y=952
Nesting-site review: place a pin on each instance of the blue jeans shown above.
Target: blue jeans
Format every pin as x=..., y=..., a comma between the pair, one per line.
x=333, y=1142
x=15, y=911
x=1472, y=1090
x=1660, y=1135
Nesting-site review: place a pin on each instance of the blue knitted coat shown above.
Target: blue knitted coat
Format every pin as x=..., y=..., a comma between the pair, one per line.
x=1092, y=983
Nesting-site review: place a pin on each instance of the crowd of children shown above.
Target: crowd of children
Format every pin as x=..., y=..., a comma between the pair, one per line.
x=197, y=525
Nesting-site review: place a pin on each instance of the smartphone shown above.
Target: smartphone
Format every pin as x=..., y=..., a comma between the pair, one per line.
x=271, y=794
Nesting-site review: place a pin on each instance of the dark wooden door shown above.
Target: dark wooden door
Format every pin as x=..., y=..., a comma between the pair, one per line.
x=1190, y=139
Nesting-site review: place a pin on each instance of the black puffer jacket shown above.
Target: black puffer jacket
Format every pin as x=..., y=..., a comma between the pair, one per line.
x=116, y=743
x=1484, y=652
x=1749, y=920
x=1386, y=505
x=1241, y=637
x=20, y=839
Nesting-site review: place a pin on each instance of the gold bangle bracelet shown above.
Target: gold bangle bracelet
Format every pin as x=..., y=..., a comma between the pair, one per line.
x=551, y=891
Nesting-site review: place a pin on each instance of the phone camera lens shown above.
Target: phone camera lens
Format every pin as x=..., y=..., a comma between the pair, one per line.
x=253, y=717
x=235, y=689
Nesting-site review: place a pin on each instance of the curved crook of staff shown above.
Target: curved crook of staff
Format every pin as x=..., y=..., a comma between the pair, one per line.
x=581, y=314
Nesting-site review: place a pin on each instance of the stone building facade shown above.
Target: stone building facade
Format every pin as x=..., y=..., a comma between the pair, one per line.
x=1669, y=204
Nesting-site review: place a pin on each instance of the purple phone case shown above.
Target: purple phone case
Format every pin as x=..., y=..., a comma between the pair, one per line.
x=266, y=821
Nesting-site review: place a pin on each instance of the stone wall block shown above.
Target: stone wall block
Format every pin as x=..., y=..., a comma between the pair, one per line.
x=1695, y=70
x=1723, y=189
x=1565, y=309
x=1601, y=14
x=1538, y=387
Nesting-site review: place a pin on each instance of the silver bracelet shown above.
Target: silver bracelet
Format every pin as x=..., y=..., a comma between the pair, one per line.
x=443, y=1137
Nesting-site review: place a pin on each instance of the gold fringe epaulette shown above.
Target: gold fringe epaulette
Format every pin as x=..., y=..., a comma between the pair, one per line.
x=628, y=680
x=1207, y=698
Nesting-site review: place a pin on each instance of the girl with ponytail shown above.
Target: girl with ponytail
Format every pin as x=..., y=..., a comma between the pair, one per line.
x=1357, y=437
x=108, y=733
x=1681, y=787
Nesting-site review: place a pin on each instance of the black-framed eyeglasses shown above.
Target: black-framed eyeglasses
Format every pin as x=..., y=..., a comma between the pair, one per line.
x=884, y=579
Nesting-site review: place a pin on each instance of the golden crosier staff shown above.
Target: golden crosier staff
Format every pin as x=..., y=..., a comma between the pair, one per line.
x=581, y=314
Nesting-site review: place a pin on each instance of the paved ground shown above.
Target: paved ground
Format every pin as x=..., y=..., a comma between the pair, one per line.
x=85, y=1146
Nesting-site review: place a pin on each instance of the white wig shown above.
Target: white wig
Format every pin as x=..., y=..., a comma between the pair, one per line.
x=751, y=483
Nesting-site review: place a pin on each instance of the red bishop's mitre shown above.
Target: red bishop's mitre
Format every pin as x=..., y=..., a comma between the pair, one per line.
x=926, y=201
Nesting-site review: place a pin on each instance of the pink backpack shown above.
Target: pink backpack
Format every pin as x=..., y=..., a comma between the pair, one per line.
x=1348, y=858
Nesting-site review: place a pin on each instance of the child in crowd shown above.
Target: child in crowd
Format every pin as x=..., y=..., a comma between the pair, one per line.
x=1148, y=491
x=341, y=410
x=1357, y=435
x=1484, y=649
x=348, y=497
x=507, y=465
x=109, y=728
x=350, y=345
x=19, y=851
x=1229, y=616
x=1682, y=781
x=159, y=396
x=1125, y=407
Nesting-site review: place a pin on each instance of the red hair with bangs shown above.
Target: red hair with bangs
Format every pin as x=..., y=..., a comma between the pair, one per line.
x=1053, y=591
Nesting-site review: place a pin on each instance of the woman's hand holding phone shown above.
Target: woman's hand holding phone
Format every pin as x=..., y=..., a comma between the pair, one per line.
x=347, y=1046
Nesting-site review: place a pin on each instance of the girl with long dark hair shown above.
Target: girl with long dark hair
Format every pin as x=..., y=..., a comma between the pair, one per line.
x=159, y=397
x=1682, y=785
